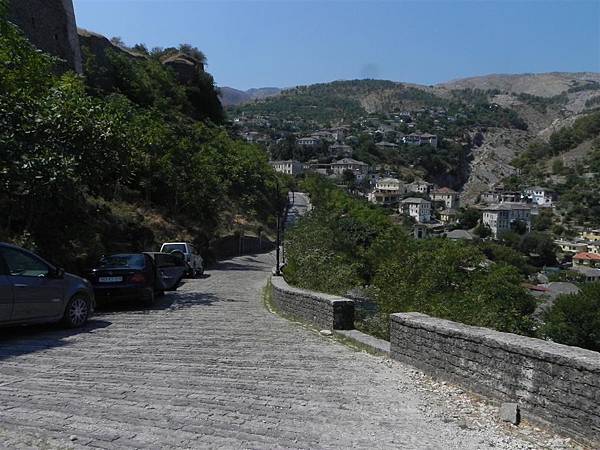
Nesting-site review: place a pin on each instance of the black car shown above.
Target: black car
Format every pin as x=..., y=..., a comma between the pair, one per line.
x=125, y=275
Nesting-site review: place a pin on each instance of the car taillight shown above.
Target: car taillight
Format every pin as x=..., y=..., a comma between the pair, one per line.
x=137, y=278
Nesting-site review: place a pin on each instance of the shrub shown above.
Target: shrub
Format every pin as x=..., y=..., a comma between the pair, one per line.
x=575, y=319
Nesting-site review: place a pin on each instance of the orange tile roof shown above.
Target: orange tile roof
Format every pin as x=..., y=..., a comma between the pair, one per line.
x=587, y=256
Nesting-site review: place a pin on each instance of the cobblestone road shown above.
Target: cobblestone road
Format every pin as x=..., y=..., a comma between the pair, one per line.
x=211, y=367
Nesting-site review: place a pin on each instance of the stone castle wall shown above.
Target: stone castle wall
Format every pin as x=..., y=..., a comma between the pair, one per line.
x=50, y=25
x=553, y=383
x=320, y=310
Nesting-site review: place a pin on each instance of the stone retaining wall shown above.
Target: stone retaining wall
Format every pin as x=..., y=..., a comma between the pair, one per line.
x=321, y=310
x=552, y=382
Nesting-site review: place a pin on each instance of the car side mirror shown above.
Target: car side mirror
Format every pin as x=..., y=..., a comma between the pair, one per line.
x=58, y=273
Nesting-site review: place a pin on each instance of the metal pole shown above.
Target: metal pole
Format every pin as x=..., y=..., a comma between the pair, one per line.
x=278, y=207
x=277, y=270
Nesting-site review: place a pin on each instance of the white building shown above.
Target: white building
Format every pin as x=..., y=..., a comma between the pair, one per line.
x=358, y=168
x=389, y=184
x=539, y=195
x=446, y=195
x=571, y=246
x=419, y=187
x=417, y=208
x=387, y=192
x=502, y=217
x=290, y=167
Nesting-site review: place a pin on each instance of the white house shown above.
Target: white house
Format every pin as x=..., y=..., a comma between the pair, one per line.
x=389, y=184
x=417, y=208
x=419, y=187
x=501, y=217
x=290, y=167
x=448, y=196
x=387, y=192
x=359, y=168
x=571, y=246
x=539, y=195
x=501, y=196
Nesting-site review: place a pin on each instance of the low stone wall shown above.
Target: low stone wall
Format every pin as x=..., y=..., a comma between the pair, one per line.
x=321, y=310
x=551, y=382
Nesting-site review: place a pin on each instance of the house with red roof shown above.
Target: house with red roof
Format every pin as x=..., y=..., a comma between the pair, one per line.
x=586, y=259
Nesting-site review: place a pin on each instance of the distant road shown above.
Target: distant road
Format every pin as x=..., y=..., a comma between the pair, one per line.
x=300, y=205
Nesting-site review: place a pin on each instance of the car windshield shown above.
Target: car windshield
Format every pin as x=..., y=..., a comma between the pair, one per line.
x=168, y=248
x=129, y=261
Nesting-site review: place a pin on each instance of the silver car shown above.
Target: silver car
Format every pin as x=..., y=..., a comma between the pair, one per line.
x=34, y=291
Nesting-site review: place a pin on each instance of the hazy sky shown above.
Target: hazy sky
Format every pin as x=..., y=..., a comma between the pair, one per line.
x=286, y=42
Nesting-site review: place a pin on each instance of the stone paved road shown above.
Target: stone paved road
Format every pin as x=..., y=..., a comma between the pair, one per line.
x=211, y=367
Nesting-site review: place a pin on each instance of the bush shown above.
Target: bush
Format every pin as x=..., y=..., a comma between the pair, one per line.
x=575, y=319
x=346, y=243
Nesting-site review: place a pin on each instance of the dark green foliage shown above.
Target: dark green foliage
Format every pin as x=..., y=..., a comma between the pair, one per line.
x=575, y=319
x=469, y=218
x=146, y=82
x=67, y=158
x=565, y=139
x=584, y=86
x=480, y=111
x=505, y=255
x=591, y=102
x=543, y=221
x=345, y=243
x=541, y=104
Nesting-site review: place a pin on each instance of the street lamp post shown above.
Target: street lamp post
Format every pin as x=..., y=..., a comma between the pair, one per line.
x=278, y=206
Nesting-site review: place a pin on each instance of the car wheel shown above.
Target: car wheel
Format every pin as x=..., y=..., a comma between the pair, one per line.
x=148, y=297
x=77, y=311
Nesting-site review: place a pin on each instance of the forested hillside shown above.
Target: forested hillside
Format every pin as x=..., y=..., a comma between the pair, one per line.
x=87, y=168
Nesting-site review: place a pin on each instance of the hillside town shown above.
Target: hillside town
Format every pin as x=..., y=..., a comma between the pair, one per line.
x=434, y=211
x=358, y=263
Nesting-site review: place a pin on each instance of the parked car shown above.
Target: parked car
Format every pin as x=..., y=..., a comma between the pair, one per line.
x=170, y=269
x=195, y=263
x=126, y=276
x=34, y=291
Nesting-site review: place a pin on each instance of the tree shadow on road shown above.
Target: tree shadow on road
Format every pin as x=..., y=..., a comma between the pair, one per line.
x=191, y=299
x=226, y=266
x=21, y=340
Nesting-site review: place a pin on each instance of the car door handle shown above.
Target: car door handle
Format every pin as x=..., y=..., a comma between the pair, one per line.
x=20, y=285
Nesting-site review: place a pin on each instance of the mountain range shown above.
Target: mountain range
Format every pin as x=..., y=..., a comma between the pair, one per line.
x=532, y=107
x=232, y=97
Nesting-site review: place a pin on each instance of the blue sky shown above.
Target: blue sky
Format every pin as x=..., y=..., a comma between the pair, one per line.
x=286, y=42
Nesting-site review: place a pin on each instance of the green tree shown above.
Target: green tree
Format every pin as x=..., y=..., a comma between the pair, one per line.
x=575, y=319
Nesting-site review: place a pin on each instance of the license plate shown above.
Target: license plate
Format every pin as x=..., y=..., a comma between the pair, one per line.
x=110, y=279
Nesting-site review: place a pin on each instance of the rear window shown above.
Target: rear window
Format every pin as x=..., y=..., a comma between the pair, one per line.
x=129, y=261
x=168, y=248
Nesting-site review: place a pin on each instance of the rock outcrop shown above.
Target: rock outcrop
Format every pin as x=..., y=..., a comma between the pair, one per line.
x=186, y=67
